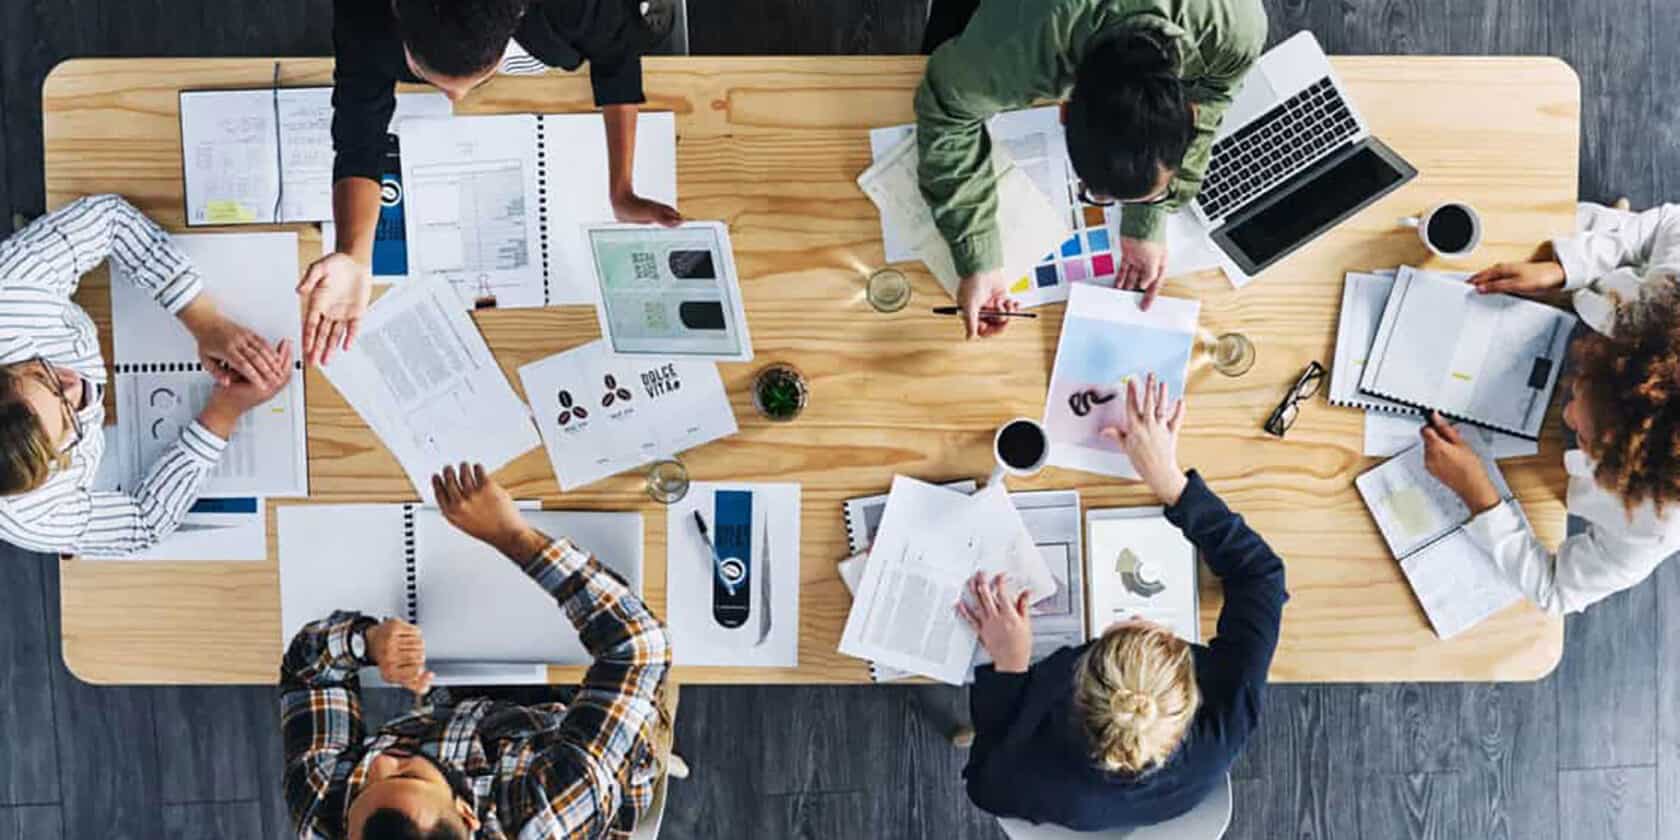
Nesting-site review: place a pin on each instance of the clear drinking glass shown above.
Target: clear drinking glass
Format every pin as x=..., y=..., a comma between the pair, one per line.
x=1233, y=354
x=889, y=290
x=667, y=480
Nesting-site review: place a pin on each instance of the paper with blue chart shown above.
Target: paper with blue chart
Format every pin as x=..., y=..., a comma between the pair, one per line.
x=1106, y=340
x=733, y=592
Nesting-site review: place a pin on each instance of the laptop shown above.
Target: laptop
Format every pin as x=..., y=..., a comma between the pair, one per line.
x=1292, y=159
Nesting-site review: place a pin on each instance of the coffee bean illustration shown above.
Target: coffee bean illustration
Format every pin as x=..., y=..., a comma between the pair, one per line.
x=611, y=381
x=565, y=399
x=580, y=412
x=565, y=417
x=607, y=400
x=623, y=394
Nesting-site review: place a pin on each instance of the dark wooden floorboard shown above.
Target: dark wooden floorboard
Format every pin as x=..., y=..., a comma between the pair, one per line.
x=1509, y=738
x=1499, y=27
x=1410, y=806
x=1617, y=803
x=1609, y=44
x=805, y=27
x=1667, y=582
x=1607, y=683
x=212, y=820
x=31, y=822
x=28, y=742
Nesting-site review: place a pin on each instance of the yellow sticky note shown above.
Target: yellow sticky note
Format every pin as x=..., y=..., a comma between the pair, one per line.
x=1021, y=285
x=227, y=212
x=1462, y=377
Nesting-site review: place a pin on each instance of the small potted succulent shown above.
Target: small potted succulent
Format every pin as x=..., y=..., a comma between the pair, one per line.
x=780, y=392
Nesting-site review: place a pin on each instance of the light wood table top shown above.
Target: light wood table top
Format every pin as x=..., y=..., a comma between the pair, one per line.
x=772, y=146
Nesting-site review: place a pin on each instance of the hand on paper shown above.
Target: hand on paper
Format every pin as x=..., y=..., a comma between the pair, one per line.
x=1142, y=263
x=1003, y=624
x=1520, y=278
x=400, y=652
x=1456, y=465
x=482, y=509
x=984, y=290
x=230, y=400
x=630, y=207
x=335, y=290
x=1150, y=437
x=227, y=349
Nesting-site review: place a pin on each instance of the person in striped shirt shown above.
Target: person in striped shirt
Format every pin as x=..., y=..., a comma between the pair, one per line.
x=52, y=381
x=479, y=768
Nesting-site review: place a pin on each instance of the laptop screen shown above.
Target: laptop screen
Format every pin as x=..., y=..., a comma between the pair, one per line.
x=1307, y=206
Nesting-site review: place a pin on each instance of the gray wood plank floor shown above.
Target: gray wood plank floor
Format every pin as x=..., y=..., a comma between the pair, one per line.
x=1591, y=752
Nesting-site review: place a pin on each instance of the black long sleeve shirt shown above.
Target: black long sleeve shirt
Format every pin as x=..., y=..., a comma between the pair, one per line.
x=1030, y=759
x=609, y=34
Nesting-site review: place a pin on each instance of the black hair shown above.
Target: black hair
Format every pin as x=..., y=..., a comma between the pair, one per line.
x=1129, y=117
x=457, y=37
x=391, y=824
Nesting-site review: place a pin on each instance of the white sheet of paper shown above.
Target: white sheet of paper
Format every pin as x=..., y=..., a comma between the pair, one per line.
x=207, y=534
x=931, y=541
x=770, y=636
x=1457, y=584
x=458, y=576
x=601, y=414
x=1029, y=222
x=1106, y=340
x=339, y=557
x=471, y=209
x=252, y=277
x=1387, y=435
x=1141, y=565
x=1364, y=294
x=577, y=150
x=421, y=376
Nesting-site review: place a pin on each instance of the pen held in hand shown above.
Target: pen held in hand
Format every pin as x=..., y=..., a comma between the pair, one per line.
x=984, y=313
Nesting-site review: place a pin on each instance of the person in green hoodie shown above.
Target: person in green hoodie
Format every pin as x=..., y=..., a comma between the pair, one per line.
x=1145, y=83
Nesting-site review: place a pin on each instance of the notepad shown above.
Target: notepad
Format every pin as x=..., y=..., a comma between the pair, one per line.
x=1490, y=360
x=1422, y=520
x=496, y=204
x=405, y=561
x=161, y=386
x=266, y=155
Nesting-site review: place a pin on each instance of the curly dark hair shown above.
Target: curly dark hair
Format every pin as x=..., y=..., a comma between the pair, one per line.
x=1630, y=380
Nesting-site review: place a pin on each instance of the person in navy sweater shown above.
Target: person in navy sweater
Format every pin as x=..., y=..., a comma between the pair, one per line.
x=1136, y=726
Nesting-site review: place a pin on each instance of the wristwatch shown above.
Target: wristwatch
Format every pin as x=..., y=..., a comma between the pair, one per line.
x=358, y=644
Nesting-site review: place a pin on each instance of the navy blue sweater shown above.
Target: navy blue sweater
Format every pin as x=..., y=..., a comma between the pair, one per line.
x=1031, y=759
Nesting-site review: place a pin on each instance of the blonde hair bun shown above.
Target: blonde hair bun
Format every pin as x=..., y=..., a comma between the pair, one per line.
x=1135, y=695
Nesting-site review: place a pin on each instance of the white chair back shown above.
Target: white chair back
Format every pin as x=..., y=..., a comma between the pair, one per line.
x=648, y=828
x=1207, y=821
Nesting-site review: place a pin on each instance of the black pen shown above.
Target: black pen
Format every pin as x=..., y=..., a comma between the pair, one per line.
x=984, y=313
x=717, y=561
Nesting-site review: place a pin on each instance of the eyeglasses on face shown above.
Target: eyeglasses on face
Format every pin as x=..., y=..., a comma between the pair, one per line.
x=1306, y=385
x=1099, y=200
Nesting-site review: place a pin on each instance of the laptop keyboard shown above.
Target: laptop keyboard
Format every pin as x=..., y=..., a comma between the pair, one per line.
x=1266, y=151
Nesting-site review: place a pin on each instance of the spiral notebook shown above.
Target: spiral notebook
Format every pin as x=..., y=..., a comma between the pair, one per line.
x=161, y=386
x=496, y=204
x=1364, y=294
x=1488, y=360
x=406, y=561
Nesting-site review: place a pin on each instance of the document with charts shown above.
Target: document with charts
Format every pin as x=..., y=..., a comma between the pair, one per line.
x=669, y=292
x=161, y=386
x=1142, y=566
x=406, y=561
x=247, y=153
x=601, y=414
x=1422, y=521
x=423, y=379
x=496, y=204
x=931, y=542
x=1490, y=360
x=1106, y=341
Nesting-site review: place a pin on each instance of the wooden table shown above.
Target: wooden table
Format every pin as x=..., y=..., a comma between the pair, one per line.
x=772, y=146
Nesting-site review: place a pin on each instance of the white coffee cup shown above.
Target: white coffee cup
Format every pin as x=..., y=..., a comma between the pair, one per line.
x=1460, y=214
x=1013, y=456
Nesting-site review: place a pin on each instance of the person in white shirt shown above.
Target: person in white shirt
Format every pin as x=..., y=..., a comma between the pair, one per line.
x=1624, y=477
x=52, y=381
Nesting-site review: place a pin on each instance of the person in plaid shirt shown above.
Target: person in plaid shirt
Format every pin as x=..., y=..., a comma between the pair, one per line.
x=479, y=768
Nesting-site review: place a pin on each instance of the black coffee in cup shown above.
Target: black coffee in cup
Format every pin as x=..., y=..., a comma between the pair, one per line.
x=1451, y=229
x=1021, y=445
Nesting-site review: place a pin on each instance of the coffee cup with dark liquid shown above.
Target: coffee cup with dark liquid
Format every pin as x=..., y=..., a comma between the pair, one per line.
x=1020, y=447
x=1449, y=230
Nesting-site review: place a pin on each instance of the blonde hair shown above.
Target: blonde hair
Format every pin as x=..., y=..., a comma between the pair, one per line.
x=1135, y=694
x=27, y=456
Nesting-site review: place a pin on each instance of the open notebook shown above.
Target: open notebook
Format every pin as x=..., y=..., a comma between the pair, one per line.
x=1422, y=522
x=265, y=155
x=496, y=204
x=161, y=386
x=405, y=561
x=1489, y=360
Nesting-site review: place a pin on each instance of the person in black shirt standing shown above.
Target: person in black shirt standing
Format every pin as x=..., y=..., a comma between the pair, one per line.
x=455, y=46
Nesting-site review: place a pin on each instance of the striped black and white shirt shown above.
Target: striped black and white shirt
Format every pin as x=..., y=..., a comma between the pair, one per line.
x=40, y=267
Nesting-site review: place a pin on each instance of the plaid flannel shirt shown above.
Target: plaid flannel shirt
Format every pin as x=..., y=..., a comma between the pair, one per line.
x=586, y=769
